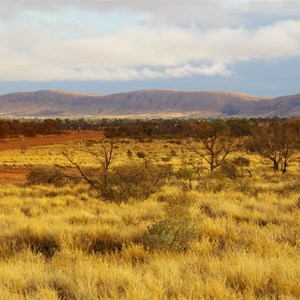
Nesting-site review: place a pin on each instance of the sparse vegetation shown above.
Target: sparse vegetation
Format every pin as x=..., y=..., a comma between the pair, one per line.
x=127, y=227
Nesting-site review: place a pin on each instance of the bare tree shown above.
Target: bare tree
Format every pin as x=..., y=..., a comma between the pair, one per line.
x=104, y=156
x=289, y=137
x=216, y=143
x=135, y=180
x=277, y=142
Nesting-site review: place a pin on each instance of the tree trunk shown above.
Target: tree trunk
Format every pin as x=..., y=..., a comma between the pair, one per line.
x=284, y=168
x=276, y=166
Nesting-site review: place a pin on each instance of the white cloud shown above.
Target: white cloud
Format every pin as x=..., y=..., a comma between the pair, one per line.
x=77, y=46
x=126, y=73
x=212, y=13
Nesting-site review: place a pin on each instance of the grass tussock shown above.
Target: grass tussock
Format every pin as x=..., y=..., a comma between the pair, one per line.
x=225, y=237
x=196, y=244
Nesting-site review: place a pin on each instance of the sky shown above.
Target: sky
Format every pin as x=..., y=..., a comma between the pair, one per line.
x=104, y=47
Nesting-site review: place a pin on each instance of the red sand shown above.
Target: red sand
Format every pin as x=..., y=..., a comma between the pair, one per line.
x=15, y=143
x=18, y=175
x=12, y=175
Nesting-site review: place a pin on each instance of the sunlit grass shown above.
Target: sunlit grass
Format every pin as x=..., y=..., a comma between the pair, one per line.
x=67, y=243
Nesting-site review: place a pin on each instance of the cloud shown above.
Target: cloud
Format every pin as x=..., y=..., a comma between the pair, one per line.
x=136, y=52
x=83, y=45
x=212, y=13
x=123, y=74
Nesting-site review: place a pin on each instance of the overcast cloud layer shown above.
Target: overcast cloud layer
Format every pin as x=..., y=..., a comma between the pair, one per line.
x=142, y=40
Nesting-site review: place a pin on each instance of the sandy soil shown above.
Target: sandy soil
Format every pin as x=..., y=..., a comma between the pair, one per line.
x=28, y=142
x=18, y=175
x=12, y=175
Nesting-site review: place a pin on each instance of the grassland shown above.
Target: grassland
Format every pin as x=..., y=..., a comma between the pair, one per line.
x=64, y=242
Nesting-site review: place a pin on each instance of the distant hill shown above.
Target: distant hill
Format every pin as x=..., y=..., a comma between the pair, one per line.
x=146, y=103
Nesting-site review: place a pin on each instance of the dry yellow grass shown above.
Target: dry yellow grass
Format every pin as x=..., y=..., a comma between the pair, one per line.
x=65, y=243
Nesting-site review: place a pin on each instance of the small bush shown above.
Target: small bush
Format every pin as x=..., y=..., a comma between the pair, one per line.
x=229, y=170
x=136, y=180
x=176, y=231
x=241, y=161
x=171, y=234
x=141, y=154
x=45, y=174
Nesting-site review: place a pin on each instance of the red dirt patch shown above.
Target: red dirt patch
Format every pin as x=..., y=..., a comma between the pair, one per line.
x=18, y=175
x=12, y=175
x=16, y=143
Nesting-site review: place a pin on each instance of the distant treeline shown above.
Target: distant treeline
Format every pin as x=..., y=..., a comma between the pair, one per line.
x=140, y=128
x=15, y=128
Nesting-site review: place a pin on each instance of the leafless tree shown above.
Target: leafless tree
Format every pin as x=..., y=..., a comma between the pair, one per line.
x=215, y=144
x=104, y=156
x=136, y=180
x=278, y=142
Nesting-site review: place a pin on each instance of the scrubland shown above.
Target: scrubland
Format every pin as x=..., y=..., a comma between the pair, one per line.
x=218, y=238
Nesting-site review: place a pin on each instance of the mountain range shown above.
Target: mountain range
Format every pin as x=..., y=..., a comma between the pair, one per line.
x=146, y=103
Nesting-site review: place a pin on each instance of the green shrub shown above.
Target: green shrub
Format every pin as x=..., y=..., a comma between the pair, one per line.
x=171, y=234
x=176, y=231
